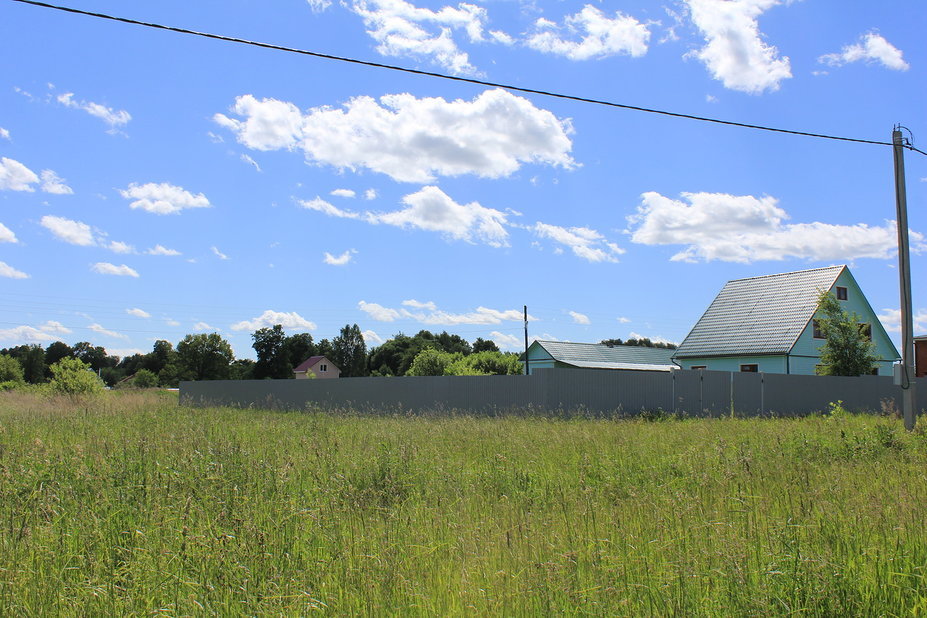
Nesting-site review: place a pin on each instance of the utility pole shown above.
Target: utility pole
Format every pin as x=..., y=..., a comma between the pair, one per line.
x=526, y=341
x=908, y=381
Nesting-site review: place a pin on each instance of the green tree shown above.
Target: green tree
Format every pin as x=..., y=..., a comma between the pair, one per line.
x=204, y=357
x=487, y=364
x=95, y=356
x=11, y=372
x=55, y=352
x=299, y=347
x=432, y=362
x=145, y=378
x=241, y=369
x=483, y=345
x=847, y=350
x=350, y=352
x=32, y=360
x=71, y=376
x=273, y=361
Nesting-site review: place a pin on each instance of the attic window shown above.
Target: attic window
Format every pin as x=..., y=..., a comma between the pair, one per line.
x=323, y=367
x=817, y=329
x=750, y=368
x=841, y=293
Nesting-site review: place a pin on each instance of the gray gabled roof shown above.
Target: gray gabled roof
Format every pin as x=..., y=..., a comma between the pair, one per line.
x=599, y=356
x=759, y=315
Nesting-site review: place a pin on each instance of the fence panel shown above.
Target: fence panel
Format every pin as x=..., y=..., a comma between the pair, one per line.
x=692, y=393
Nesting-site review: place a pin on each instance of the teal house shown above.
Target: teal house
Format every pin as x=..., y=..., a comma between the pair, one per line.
x=563, y=354
x=768, y=324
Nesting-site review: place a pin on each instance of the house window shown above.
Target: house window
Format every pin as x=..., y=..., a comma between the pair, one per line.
x=818, y=334
x=865, y=329
x=841, y=293
x=750, y=368
x=699, y=367
x=323, y=367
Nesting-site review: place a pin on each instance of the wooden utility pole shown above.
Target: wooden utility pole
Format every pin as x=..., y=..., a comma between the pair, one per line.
x=526, y=341
x=908, y=381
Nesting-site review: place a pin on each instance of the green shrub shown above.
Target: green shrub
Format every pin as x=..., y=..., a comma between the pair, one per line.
x=145, y=379
x=71, y=376
x=10, y=370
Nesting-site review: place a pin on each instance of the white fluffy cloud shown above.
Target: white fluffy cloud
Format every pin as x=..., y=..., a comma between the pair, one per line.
x=139, y=313
x=320, y=205
x=506, y=341
x=202, y=327
x=14, y=176
x=5, y=134
x=732, y=228
x=162, y=198
x=891, y=320
x=106, y=333
x=343, y=193
x=270, y=318
x=339, y=260
x=653, y=338
x=219, y=254
x=11, y=273
x=735, y=51
x=599, y=36
x=583, y=242
x=247, y=159
x=579, y=318
x=117, y=246
x=871, y=47
x=379, y=312
x=51, y=183
x=114, y=118
x=428, y=313
x=105, y=268
x=404, y=30
x=371, y=338
x=160, y=250
x=30, y=334
x=433, y=210
x=68, y=230
x=410, y=139
x=7, y=235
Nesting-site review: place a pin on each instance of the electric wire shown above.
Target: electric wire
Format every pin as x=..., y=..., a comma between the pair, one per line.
x=457, y=78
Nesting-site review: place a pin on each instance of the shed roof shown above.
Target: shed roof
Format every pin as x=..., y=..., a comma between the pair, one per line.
x=600, y=356
x=759, y=315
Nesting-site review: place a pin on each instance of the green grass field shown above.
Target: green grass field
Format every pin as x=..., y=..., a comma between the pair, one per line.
x=129, y=504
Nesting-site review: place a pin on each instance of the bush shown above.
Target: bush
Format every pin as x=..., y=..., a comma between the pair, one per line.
x=10, y=370
x=145, y=379
x=71, y=376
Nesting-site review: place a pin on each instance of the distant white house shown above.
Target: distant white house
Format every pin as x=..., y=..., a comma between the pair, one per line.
x=316, y=366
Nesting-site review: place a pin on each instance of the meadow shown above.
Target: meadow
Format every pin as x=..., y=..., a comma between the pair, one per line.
x=130, y=504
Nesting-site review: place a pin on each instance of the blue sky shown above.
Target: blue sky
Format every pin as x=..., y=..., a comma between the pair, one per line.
x=154, y=184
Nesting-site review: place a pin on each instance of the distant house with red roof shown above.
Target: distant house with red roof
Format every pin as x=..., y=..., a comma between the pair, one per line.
x=316, y=366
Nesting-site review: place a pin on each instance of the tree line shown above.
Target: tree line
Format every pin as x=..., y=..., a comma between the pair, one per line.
x=210, y=357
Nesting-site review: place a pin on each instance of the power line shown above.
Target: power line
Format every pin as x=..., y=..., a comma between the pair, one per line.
x=468, y=80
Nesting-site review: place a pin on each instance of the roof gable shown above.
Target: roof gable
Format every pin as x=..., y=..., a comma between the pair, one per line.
x=311, y=362
x=759, y=315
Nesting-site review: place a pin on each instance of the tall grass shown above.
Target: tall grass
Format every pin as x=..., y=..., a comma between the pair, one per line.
x=129, y=504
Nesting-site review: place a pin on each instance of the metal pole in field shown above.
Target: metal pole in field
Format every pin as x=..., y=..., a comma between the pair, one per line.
x=526, y=341
x=908, y=383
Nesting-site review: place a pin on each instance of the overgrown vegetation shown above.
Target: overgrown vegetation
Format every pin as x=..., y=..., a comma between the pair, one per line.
x=133, y=505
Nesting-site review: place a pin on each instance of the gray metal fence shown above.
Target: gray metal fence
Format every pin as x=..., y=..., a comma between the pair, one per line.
x=586, y=391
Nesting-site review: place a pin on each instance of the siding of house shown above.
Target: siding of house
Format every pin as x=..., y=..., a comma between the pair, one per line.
x=806, y=351
x=766, y=364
